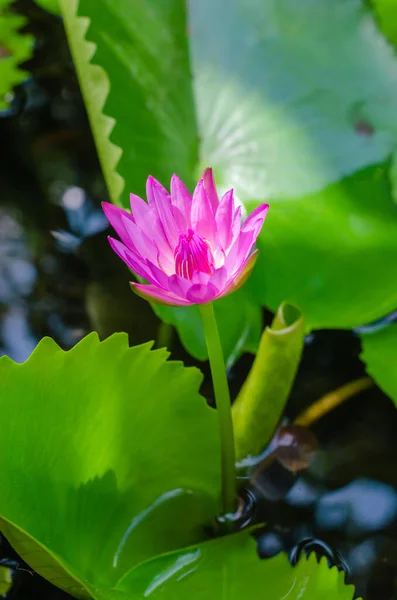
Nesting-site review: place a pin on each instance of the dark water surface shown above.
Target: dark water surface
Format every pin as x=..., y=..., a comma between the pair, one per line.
x=58, y=278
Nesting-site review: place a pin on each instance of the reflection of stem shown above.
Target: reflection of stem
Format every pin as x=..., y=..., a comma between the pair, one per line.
x=331, y=400
x=222, y=397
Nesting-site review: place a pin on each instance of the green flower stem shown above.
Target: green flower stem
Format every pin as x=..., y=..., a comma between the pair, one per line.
x=222, y=397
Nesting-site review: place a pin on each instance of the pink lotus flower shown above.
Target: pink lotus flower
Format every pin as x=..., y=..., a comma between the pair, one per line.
x=191, y=250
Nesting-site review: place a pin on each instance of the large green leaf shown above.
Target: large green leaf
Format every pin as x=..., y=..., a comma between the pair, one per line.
x=108, y=456
x=295, y=104
x=380, y=355
x=94, y=83
x=341, y=267
x=15, y=48
x=142, y=48
x=229, y=568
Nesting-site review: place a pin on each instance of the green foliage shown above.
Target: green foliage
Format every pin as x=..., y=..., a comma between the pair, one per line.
x=117, y=463
x=95, y=87
x=156, y=80
x=15, y=48
x=117, y=459
x=261, y=401
x=229, y=568
x=347, y=246
x=386, y=13
x=295, y=104
x=5, y=580
x=142, y=48
x=238, y=319
x=380, y=355
x=50, y=5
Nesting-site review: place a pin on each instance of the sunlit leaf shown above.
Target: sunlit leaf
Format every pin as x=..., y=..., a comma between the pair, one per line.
x=108, y=456
x=296, y=105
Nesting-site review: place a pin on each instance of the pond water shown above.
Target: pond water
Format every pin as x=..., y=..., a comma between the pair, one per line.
x=58, y=278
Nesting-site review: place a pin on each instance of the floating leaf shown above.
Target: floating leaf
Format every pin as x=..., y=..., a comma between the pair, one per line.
x=15, y=48
x=230, y=568
x=296, y=105
x=109, y=456
x=261, y=400
x=380, y=355
x=119, y=467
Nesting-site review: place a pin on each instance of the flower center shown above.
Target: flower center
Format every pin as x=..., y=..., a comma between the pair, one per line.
x=192, y=254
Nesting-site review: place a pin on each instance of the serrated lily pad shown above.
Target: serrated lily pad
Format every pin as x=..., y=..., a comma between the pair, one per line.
x=15, y=48
x=230, y=568
x=108, y=456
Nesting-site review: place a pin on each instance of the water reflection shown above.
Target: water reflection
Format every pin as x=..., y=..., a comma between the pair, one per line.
x=32, y=301
x=351, y=521
x=17, y=279
x=320, y=548
x=361, y=507
x=18, y=338
x=348, y=526
x=303, y=493
x=270, y=543
x=295, y=447
x=17, y=273
x=83, y=217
